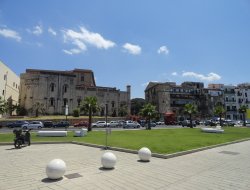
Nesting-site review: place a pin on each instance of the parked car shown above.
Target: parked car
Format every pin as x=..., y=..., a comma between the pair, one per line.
x=160, y=123
x=247, y=123
x=115, y=124
x=48, y=124
x=82, y=123
x=210, y=123
x=131, y=124
x=188, y=123
x=16, y=124
x=61, y=124
x=100, y=124
x=229, y=122
x=33, y=125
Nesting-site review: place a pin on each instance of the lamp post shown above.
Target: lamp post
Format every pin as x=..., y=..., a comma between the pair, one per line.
x=90, y=117
x=107, y=128
x=66, y=113
x=149, y=124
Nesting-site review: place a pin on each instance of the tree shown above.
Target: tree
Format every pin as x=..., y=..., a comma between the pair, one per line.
x=38, y=108
x=89, y=105
x=219, y=110
x=243, y=110
x=136, y=105
x=3, y=106
x=123, y=111
x=190, y=109
x=148, y=111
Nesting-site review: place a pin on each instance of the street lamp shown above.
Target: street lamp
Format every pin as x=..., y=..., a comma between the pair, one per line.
x=90, y=117
x=149, y=124
x=66, y=113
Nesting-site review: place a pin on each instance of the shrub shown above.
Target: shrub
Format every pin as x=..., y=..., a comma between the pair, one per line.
x=76, y=112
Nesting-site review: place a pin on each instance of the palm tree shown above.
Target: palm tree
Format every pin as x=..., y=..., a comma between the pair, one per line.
x=243, y=110
x=219, y=110
x=190, y=109
x=89, y=105
x=148, y=111
x=3, y=106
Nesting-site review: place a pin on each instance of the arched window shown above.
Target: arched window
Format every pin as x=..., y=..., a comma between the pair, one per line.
x=65, y=88
x=52, y=87
x=52, y=101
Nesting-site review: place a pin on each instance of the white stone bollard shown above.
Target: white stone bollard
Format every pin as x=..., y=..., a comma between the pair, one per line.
x=144, y=154
x=108, y=160
x=55, y=169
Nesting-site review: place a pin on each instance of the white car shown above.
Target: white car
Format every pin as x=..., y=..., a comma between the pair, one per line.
x=131, y=124
x=114, y=124
x=160, y=123
x=33, y=125
x=100, y=124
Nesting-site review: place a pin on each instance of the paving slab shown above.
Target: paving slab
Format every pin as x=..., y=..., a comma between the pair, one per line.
x=225, y=167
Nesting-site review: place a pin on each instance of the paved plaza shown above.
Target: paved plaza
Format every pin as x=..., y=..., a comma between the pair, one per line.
x=226, y=167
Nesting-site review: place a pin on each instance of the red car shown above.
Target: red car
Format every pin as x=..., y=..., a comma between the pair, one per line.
x=82, y=124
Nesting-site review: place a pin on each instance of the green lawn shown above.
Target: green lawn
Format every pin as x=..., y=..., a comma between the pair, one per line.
x=159, y=141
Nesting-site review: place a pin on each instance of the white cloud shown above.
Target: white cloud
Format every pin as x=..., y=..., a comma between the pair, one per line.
x=38, y=30
x=174, y=73
x=163, y=50
x=72, y=51
x=52, y=31
x=132, y=49
x=7, y=33
x=210, y=77
x=84, y=37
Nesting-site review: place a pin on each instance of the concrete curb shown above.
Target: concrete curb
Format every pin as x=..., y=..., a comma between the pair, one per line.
x=164, y=156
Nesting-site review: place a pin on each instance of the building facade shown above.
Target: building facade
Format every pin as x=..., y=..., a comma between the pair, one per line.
x=56, y=89
x=9, y=84
x=171, y=97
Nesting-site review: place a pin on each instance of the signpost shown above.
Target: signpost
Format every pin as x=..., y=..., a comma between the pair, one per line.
x=108, y=129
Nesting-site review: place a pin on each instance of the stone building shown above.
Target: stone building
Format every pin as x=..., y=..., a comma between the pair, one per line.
x=169, y=97
x=56, y=89
x=9, y=84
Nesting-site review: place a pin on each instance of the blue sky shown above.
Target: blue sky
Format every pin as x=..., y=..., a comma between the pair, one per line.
x=130, y=42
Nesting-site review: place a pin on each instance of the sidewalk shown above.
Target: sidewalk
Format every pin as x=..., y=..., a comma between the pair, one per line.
x=226, y=167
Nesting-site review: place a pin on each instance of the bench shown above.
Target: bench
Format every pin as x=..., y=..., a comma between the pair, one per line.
x=52, y=133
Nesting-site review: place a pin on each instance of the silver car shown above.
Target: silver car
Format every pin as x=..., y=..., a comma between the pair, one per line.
x=131, y=124
x=33, y=125
x=100, y=124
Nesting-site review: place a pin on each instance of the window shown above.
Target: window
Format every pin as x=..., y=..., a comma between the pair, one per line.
x=65, y=88
x=113, y=104
x=13, y=84
x=82, y=78
x=3, y=92
x=5, y=77
x=52, y=87
x=65, y=101
x=52, y=101
x=245, y=94
x=78, y=102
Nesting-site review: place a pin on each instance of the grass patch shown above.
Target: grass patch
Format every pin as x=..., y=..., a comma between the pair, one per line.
x=159, y=141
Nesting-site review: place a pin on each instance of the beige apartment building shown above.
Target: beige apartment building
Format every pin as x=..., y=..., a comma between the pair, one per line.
x=56, y=89
x=9, y=84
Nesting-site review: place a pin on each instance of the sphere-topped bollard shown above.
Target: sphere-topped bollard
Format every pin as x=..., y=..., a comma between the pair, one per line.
x=55, y=169
x=108, y=160
x=144, y=154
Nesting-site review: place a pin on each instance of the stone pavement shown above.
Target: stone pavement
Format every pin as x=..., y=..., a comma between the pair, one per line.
x=226, y=167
